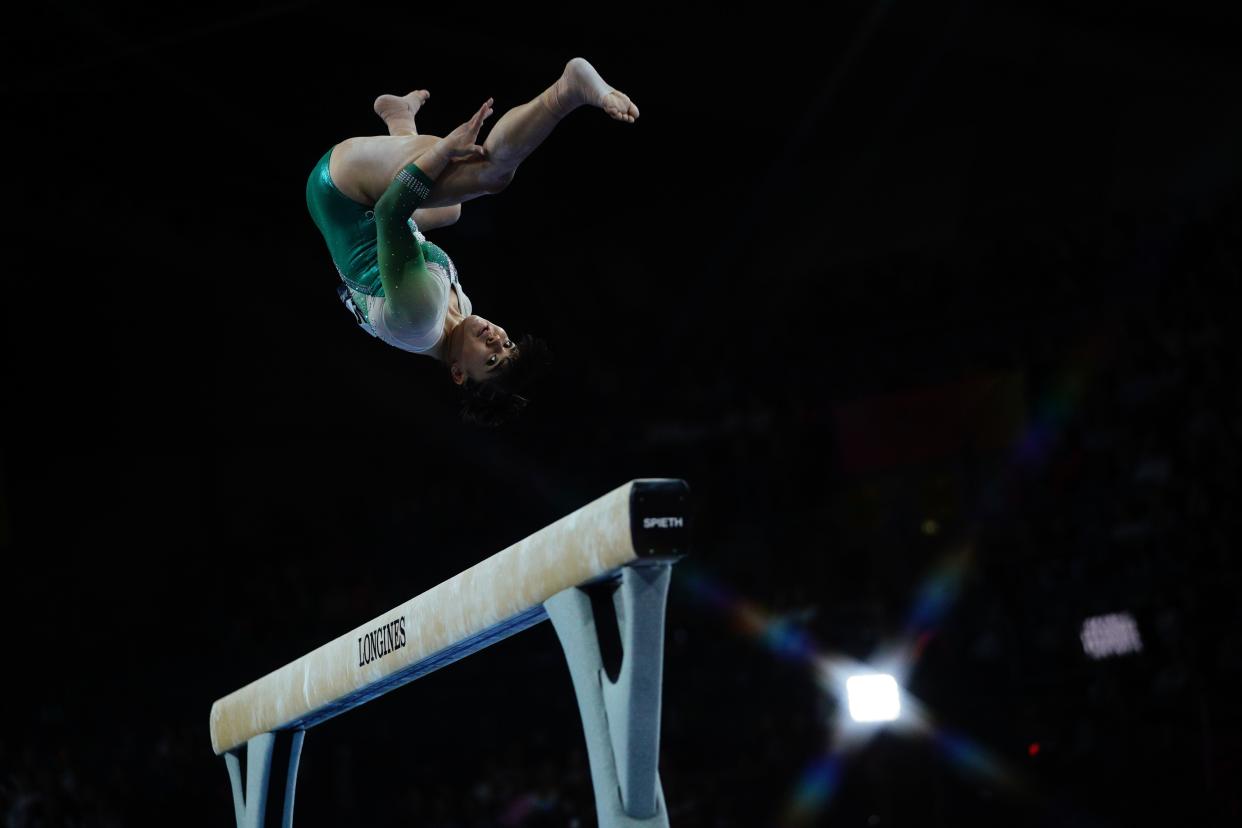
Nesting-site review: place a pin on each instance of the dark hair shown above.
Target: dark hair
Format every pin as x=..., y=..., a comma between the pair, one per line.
x=497, y=400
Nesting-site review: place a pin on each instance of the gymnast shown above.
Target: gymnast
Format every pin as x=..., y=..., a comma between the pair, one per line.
x=373, y=197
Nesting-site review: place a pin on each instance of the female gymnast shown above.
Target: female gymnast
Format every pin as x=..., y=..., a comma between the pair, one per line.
x=372, y=198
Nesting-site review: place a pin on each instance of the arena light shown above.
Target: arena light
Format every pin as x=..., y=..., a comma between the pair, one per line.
x=1110, y=635
x=873, y=698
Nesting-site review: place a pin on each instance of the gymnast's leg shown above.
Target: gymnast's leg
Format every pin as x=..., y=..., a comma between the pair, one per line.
x=398, y=112
x=522, y=129
x=362, y=168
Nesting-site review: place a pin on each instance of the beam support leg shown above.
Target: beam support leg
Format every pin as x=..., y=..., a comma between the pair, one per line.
x=283, y=749
x=619, y=693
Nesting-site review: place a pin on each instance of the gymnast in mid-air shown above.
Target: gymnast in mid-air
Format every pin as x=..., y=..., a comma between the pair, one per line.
x=373, y=197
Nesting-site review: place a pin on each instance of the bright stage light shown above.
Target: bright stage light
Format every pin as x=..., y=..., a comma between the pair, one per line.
x=1110, y=635
x=873, y=698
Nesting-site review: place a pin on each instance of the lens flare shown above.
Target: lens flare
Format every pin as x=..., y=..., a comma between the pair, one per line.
x=788, y=641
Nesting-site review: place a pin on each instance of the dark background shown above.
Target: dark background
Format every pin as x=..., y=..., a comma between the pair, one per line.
x=933, y=305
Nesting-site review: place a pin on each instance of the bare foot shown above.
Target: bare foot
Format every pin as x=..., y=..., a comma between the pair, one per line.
x=581, y=85
x=399, y=112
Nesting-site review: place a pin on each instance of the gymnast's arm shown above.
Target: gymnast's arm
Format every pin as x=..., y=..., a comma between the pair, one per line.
x=410, y=288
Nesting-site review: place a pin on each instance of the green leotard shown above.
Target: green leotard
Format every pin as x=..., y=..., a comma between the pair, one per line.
x=360, y=238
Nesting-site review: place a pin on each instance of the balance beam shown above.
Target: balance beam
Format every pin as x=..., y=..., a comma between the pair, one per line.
x=643, y=524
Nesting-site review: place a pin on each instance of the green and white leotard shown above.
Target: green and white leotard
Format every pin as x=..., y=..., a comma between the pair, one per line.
x=356, y=244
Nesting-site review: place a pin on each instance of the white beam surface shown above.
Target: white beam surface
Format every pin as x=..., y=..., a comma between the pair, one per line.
x=493, y=599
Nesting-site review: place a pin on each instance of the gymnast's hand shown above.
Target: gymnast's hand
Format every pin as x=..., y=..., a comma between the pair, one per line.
x=459, y=145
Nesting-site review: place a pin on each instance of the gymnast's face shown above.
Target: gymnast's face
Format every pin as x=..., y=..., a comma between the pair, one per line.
x=483, y=350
